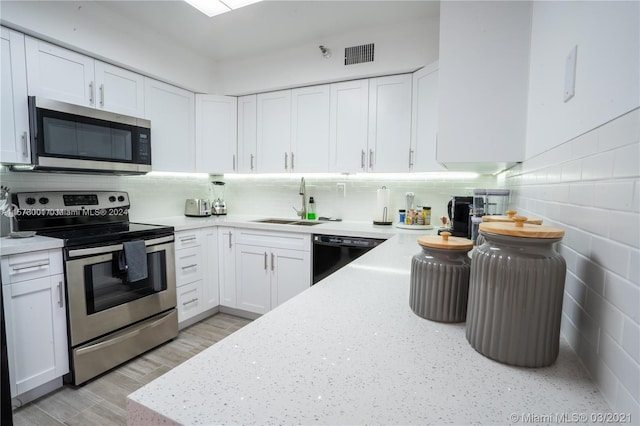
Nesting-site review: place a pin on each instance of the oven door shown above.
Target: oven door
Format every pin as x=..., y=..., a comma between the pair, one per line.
x=101, y=300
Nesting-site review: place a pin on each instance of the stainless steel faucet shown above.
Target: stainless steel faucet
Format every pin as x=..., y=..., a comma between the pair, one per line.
x=303, y=192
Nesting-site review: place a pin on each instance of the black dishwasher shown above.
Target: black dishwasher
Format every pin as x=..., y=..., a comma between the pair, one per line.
x=332, y=252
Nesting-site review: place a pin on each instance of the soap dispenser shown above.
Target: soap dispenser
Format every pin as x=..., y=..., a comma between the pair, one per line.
x=311, y=209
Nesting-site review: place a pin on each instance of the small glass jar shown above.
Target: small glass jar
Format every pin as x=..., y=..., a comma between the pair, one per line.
x=401, y=214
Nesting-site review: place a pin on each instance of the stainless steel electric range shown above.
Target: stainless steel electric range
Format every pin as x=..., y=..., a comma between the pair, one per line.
x=120, y=275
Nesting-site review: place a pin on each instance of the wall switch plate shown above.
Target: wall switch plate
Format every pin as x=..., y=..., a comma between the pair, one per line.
x=570, y=74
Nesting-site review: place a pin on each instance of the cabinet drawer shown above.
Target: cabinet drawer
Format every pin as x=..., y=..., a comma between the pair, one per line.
x=190, y=302
x=28, y=266
x=186, y=239
x=188, y=265
x=284, y=240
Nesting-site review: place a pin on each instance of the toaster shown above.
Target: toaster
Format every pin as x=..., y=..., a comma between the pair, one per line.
x=197, y=207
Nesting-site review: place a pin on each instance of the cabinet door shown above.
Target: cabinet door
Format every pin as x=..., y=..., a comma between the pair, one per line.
x=210, y=259
x=247, y=145
x=349, y=119
x=119, y=90
x=172, y=114
x=253, y=278
x=189, y=266
x=14, y=121
x=36, y=332
x=59, y=74
x=216, y=133
x=389, y=123
x=274, y=131
x=227, y=267
x=291, y=274
x=424, y=120
x=310, y=129
x=190, y=300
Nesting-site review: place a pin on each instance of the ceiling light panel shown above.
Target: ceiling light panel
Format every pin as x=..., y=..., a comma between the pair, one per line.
x=217, y=7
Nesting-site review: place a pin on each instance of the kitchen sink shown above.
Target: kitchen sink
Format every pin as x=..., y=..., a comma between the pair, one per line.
x=288, y=222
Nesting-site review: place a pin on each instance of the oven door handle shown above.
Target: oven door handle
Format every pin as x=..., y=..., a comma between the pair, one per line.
x=115, y=247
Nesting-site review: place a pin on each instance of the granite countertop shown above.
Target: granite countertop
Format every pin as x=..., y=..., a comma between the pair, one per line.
x=349, y=350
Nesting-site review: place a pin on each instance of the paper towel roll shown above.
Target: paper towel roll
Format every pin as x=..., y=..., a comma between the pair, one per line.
x=383, y=209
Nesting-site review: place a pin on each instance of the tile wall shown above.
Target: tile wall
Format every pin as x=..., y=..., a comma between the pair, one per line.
x=590, y=187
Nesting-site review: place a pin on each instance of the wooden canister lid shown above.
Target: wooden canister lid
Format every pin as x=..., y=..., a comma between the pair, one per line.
x=519, y=228
x=509, y=218
x=445, y=241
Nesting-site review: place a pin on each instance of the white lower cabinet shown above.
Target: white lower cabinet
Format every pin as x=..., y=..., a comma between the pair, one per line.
x=196, y=256
x=271, y=267
x=227, y=267
x=33, y=288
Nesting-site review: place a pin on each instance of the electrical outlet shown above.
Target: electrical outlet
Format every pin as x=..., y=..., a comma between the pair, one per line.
x=341, y=189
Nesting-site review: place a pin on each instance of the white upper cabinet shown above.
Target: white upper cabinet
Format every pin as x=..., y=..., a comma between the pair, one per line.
x=483, y=83
x=424, y=120
x=274, y=131
x=349, y=117
x=247, y=144
x=216, y=133
x=63, y=75
x=119, y=90
x=14, y=123
x=172, y=114
x=310, y=129
x=389, y=141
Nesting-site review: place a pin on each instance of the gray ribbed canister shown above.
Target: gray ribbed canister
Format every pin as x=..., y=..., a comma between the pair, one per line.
x=515, y=294
x=440, y=278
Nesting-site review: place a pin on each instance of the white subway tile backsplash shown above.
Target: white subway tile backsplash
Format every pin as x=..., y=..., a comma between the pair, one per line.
x=623, y=294
x=581, y=194
x=631, y=339
x=577, y=240
x=599, y=166
x=610, y=255
x=625, y=228
x=626, y=162
x=633, y=275
x=590, y=274
x=623, y=366
x=625, y=403
x=584, y=145
x=571, y=171
x=620, y=132
x=635, y=196
x=575, y=288
x=616, y=195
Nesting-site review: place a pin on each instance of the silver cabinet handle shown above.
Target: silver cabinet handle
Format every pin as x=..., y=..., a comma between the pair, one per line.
x=30, y=265
x=60, y=295
x=272, y=261
x=410, y=158
x=234, y=162
x=292, y=161
x=102, y=95
x=184, y=240
x=286, y=161
x=362, y=160
x=371, y=159
x=193, y=265
x=25, y=145
x=91, y=93
x=265, y=260
x=189, y=302
x=251, y=162
x=230, y=234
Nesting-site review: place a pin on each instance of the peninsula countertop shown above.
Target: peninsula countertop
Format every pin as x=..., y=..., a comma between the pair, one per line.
x=349, y=350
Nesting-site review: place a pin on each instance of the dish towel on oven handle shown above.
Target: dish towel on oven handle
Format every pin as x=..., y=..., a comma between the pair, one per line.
x=135, y=260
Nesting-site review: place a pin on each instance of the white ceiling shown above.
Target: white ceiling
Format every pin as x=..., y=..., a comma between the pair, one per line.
x=268, y=26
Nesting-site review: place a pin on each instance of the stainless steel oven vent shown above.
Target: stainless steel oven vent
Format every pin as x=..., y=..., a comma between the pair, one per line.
x=358, y=54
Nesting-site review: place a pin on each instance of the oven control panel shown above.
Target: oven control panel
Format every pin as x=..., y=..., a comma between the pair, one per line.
x=60, y=203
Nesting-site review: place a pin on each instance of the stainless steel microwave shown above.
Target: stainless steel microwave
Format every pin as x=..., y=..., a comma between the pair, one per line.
x=73, y=138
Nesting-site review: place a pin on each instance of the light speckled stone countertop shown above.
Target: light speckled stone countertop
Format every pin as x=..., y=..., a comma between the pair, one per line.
x=349, y=350
x=10, y=246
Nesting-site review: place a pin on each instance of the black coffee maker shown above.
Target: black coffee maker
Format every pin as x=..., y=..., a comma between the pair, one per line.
x=459, y=210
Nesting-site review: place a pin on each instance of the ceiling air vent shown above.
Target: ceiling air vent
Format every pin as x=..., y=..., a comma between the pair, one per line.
x=358, y=54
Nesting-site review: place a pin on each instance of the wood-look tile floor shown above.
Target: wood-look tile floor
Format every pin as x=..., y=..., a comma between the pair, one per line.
x=103, y=400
